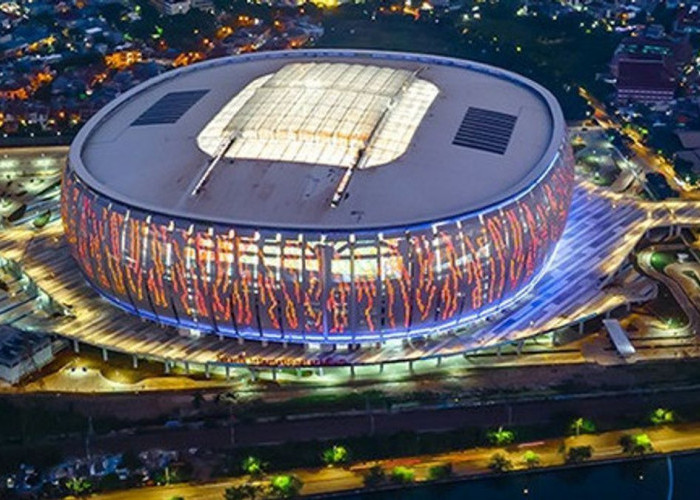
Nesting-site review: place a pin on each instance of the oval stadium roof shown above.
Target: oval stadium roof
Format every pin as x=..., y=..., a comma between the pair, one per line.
x=322, y=140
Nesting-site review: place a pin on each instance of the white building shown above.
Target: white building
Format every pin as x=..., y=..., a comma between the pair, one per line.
x=174, y=7
x=22, y=353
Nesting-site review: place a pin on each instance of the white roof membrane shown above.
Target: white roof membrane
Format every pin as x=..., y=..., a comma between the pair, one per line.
x=300, y=121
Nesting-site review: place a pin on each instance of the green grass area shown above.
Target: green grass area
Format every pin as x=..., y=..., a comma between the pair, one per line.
x=604, y=180
x=659, y=260
x=665, y=308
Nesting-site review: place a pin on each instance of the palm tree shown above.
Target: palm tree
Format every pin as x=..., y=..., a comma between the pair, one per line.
x=531, y=459
x=661, y=416
x=286, y=486
x=584, y=425
x=243, y=492
x=501, y=437
x=78, y=486
x=636, y=444
x=253, y=466
x=374, y=476
x=578, y=454
x=336, y=455
x=500, y=463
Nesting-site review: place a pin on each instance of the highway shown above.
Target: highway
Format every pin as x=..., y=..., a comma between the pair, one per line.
x=597, y=406
x=643, y=154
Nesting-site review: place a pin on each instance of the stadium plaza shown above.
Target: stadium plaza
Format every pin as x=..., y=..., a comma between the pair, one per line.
x=586, y=275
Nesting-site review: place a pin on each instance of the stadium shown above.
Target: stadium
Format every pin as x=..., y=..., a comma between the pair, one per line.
x=320, y=196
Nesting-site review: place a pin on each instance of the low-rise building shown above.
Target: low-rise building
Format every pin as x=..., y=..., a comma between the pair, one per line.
x=688, y=19
x=646, y=66
x=646, y=80
x=175, y=7
x=23, y=353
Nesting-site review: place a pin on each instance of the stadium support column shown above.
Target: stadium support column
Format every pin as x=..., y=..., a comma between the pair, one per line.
x=135, y=362
x=207, y=370
x=581, y=324
x=274, y=373
x=167, y=367
x=76, y=346
x=105, y=356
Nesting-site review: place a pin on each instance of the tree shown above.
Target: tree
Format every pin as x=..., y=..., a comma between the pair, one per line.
x=253, y=466
x=285, y=486
x=130, y=460
x=501, y=437
x=78, y=486
x=578, y=454
x=243, y=492
x=500, y=463
x=374, y=477
x=531, y=459
x=110, y=482
x=636, y=444
x=662, y=416
x=684, y=169
x=337, y=455
x=439, y=472
x=402, y=475
x=582, y=425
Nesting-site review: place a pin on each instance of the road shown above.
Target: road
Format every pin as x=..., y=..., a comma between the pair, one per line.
x=466, y=463
x=335, y=427
x=644, y=155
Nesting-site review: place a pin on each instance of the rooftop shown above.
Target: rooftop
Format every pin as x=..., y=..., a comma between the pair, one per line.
x=271, y=139
x=17, y=345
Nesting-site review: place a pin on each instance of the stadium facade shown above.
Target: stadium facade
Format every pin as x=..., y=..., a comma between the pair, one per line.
x=320, y=196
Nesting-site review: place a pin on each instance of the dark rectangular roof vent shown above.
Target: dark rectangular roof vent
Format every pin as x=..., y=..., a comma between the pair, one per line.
x=485, y=130
x=169, y=108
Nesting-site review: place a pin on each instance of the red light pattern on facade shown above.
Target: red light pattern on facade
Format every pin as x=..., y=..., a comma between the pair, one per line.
x=266, y=284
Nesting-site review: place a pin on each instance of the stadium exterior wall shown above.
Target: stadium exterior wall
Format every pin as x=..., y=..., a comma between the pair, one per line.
x=206, y=277
x=311, y=286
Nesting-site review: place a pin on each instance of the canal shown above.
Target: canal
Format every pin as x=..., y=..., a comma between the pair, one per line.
x=677, y=478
